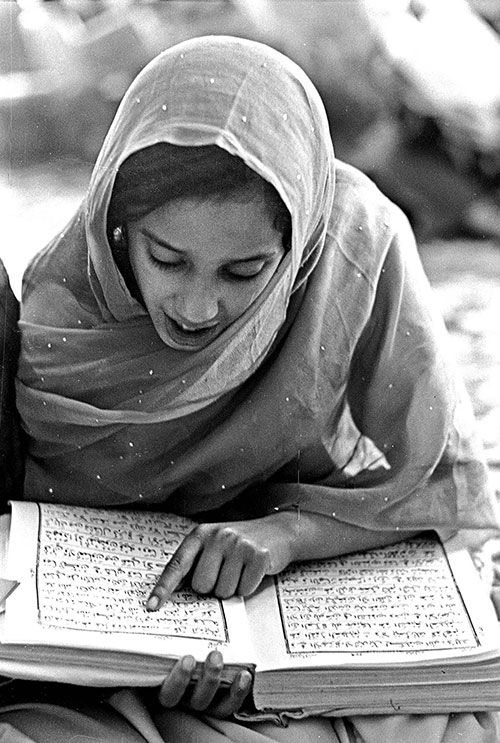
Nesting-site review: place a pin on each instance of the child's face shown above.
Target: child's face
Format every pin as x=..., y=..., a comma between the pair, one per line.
x=200, y=264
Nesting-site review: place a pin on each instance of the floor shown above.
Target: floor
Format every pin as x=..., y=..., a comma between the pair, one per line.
x=466, y=280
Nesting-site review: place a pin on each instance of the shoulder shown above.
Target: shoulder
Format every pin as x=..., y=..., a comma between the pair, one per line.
x=364, y=223
x=55, y=283
x=358, y=197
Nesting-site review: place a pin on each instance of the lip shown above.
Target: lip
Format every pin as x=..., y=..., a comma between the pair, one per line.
x=190, y=337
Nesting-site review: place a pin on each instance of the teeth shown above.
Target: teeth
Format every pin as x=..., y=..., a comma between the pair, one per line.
x=187, y=329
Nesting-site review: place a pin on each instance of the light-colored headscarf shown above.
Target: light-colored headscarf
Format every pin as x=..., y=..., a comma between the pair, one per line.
x=237, y=95
x=331, y=392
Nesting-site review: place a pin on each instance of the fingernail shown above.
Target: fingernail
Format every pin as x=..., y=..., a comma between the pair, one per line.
x=216, y=659
x=188, y=664
x=243, y=681
x=153, y=603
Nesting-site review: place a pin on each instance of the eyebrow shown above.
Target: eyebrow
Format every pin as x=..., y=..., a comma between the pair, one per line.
x=164, y=244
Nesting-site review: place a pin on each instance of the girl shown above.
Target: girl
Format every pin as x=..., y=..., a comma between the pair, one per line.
x=236, y=327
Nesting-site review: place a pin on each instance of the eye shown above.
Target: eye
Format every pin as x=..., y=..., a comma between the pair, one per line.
x=245, y=271
x=165, y=265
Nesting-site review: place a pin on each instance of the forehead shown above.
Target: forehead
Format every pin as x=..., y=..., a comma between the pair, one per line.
x=231, y=229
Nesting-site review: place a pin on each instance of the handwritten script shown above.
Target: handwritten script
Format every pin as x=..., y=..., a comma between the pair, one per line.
x=96, y=568
x=401, y=597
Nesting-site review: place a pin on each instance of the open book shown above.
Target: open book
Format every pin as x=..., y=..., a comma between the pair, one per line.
x=406, y=628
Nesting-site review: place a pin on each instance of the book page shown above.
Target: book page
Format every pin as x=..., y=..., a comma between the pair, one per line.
x=85, y=575
x=393, y=604
x=393, y=598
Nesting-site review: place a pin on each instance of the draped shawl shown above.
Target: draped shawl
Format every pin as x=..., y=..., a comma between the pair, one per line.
x=333, y=392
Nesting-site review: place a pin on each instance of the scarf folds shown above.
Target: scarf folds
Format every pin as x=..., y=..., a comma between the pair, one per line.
x=332, y=393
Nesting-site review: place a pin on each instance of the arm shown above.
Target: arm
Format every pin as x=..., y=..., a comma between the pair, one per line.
x=403, y=395
x=232, y=558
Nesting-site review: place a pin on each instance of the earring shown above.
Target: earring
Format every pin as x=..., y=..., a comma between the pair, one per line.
x=118, y=236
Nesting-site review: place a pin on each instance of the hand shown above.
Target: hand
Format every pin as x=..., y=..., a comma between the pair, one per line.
x=207, y=694
x=227, y=559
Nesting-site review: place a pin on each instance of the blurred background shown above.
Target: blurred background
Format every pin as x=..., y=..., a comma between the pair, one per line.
x=412, y=92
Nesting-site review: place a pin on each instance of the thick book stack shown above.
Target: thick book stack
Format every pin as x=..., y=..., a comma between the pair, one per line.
x=405, y=628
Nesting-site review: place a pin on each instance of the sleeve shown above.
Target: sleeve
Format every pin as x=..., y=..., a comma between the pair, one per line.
x=407, y=396
x=406, y=404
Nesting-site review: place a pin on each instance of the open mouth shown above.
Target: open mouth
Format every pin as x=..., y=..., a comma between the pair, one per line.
x=188, y=337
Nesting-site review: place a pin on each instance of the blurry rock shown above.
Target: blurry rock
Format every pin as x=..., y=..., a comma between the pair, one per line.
x=25, y=115
x=12, y=50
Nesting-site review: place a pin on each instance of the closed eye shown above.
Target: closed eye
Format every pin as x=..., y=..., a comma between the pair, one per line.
x=165, y=265
x=245, y=271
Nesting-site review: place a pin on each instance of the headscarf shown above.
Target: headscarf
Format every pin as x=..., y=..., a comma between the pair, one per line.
x=329, y=393
x=211, y=91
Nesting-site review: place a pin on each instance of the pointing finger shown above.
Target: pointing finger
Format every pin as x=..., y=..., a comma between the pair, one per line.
x=175, y=570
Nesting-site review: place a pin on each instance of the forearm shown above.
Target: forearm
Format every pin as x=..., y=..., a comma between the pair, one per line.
x=314, y=536
x=231, y=558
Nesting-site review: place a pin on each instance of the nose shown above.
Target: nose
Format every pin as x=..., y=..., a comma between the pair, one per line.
x=197, y=303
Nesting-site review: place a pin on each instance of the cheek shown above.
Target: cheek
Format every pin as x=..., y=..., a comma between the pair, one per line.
x=154, y=285
x=240, y=297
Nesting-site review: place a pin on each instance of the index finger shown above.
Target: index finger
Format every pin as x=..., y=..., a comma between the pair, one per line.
x=175, y=570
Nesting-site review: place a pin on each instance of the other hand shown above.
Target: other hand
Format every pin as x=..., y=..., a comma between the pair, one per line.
x=206, y=693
